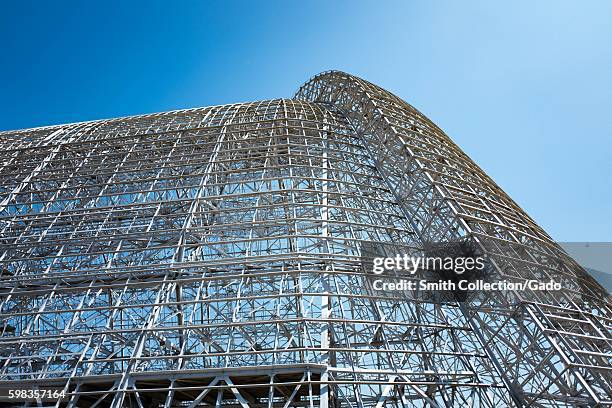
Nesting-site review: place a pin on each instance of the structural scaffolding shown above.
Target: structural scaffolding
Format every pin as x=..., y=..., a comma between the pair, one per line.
x=218, y=257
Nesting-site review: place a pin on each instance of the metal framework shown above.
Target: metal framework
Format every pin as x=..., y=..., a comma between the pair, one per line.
x=215, y=257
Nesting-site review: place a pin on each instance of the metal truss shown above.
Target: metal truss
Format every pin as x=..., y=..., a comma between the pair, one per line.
x=215, y=257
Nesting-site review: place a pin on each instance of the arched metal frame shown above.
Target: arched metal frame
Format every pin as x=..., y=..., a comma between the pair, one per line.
x=215, y=257
x=551, y=347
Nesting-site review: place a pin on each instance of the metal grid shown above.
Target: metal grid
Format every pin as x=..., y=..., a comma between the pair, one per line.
x=551, y=348
x=215, y=257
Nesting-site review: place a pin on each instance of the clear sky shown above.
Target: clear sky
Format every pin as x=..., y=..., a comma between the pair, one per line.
x=523, y=87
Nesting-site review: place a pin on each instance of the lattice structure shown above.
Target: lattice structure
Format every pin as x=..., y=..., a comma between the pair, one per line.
x=215, y=257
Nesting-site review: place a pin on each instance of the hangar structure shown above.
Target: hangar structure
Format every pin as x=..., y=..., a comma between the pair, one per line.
x=218, y=257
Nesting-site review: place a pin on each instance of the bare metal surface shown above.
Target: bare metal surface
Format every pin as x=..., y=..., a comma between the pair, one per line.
x=213, y=257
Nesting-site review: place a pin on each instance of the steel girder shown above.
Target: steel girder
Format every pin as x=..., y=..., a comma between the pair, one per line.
x=215, y=257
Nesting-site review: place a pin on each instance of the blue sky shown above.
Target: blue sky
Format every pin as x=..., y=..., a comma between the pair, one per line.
x=523, y=87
